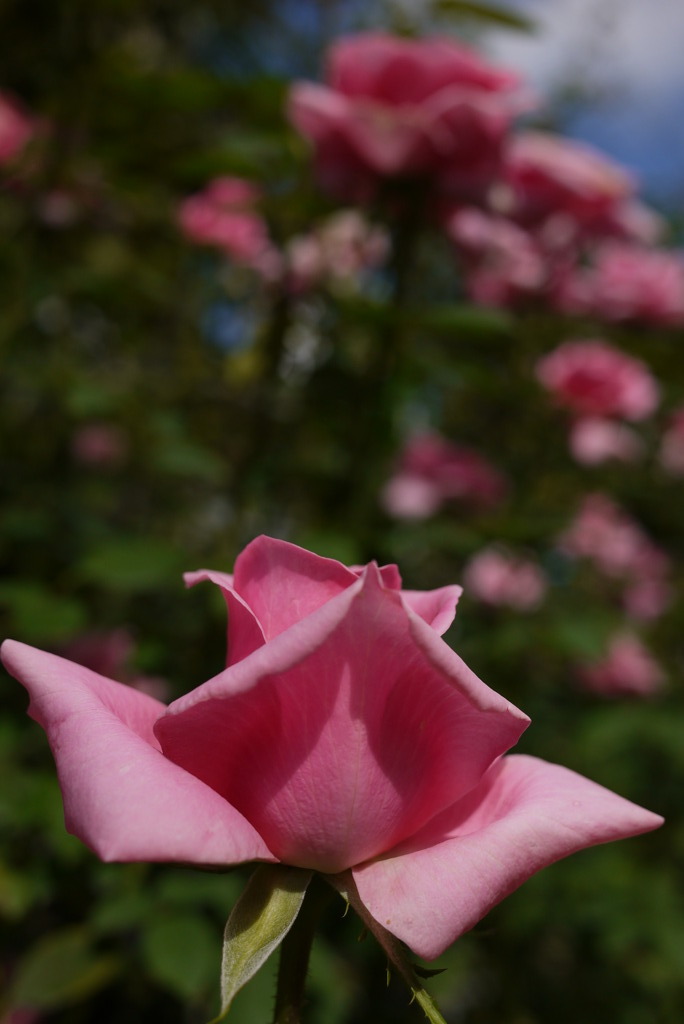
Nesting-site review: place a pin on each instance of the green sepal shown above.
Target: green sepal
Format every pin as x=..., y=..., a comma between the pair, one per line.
x=395, y=950
x=257, y=925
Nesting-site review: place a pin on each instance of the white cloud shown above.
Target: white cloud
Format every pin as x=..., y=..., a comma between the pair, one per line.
x=631, y=44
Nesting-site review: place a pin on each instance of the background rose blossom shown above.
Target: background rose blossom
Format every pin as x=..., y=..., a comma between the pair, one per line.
x=629, y=283
x=593, y=440
x=432, y=470
x=406, y=108
x=628, y=669
x=498, y=577
x=224, y=215
x=593, y=378
x=16, y=128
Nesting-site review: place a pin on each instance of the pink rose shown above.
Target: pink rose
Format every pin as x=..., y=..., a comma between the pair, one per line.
x=671, y=454
x=627, y=669
x=548, y=176
x=593, y=378
x=344, y=736
x=630, y=283
x=593, y=440
x=402, y=108
x=500, y=578
x=224, y=215
x=432, y=470
x=503, y=263
x=16, y=128
x=606, y=535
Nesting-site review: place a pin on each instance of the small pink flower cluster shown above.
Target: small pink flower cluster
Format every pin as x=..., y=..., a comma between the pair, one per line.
x=500, y=578
x=619, y=549
x=597, y=383
x=628, y=669
x=432, y=471
x=224, y=215
x=337, y=252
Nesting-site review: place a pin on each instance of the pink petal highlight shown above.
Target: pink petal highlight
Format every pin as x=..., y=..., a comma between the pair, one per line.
x=385, y=726
x=283, y=583
x=524, y=815
x=122, y=797
x=436, y=607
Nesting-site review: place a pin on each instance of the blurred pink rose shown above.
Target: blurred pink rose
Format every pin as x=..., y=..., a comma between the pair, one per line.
x=224, y=215
x=607, y=536
x=16, y=128
x=503, y=263
x=403, y=108
x=337, y=252
x=627, y=669
x=629, y=283
x=593, y=378
x=432, y=470
x=671, y=454
x=593, y=440
x=99, y=444
x=500, y=578
x=548, y=176
x=344, y=736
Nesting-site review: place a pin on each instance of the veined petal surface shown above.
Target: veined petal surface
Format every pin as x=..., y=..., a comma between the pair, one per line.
x=524, y=815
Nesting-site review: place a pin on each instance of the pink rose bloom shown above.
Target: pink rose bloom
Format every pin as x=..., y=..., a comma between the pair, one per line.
x=16, y=128
x=630, y=283
x=607, y=536
x=343, y=736
x=499, y=578
x=503, y=263
x=223, y=215
x=432, y=470
x=403, y=108
x=593, y=440
x=671, y=454
x=593, y=378
x=548, y=175
x=627, y=670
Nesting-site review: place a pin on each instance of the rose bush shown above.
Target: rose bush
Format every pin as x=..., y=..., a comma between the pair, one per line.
x=343, y=735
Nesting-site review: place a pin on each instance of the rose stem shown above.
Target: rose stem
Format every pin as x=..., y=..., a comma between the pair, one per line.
x=294, y=954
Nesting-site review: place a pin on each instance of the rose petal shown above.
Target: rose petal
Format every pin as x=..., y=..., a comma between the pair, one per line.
x=283, y=583
x=524, y=815
x=244, y=631
x=122, y=797
x=436, y=607
x=344, y=734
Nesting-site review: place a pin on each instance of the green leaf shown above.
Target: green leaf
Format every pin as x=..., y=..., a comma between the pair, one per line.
x=259, y=922
x=37, y=615
x=131, y=563
x=484, y=12
x=61, y=969
x=181, y=953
